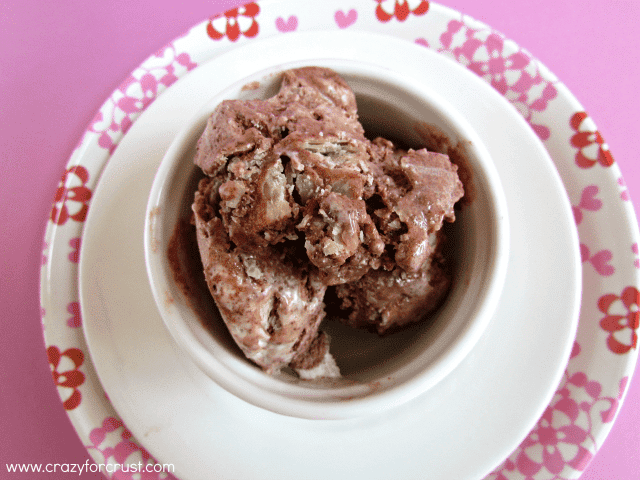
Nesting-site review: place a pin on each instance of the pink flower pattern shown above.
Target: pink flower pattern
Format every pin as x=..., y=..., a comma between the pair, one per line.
x=136, y=93
x=562, y=444
x=599, y=260
x=288, y=25
x=114, y=443
x=45, y=247
x=588, y=201
x=510, y=70
x=74, y=255
x=75, y=321
x=624, y=194
x=345, y=20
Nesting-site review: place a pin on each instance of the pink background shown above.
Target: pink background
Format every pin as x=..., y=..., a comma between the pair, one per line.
x=60, y=60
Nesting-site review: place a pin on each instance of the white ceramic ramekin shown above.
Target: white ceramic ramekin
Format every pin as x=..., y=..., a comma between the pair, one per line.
x=379, y=373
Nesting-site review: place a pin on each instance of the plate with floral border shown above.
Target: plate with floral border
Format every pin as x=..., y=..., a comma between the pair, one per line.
x=582, y=411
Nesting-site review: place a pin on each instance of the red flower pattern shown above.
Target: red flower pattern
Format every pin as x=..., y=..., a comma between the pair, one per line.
x=592, y=148
x=401, y=10
x=72, y=196
x=234, y=23
x=621, y=319
x=67, y=380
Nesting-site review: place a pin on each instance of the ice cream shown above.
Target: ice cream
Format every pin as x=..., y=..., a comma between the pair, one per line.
x=297, y=201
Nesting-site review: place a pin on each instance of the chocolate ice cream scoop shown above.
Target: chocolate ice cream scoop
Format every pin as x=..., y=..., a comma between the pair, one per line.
x=272, y=306
x=297, y=199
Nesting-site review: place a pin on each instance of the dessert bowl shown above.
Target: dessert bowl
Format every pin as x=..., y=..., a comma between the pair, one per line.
x=378, y=373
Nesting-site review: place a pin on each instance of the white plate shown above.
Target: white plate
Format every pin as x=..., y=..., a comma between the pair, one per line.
x=579, y=415
x=483, y=407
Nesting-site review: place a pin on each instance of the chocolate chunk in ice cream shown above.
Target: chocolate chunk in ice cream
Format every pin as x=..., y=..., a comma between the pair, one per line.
x=296, y=200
